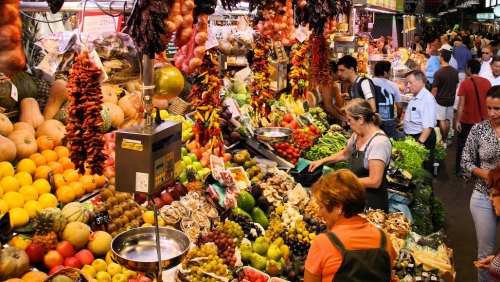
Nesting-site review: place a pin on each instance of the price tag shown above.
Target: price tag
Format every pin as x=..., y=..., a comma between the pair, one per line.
x=13, y=92
x=101, y=218
x=243, y=23
x=302, y=34
x=212, y=41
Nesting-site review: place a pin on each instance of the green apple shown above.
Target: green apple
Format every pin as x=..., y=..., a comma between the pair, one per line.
x=184, y=151
x=197, y=166
x=187, y=160
x=193, y=157
x=183, y=177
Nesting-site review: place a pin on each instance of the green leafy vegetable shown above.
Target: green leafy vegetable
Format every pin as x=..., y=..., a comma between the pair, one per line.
x=413, y=154
x=328, y=145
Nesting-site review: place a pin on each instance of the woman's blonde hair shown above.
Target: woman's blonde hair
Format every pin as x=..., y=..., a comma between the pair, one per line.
x=361, y=108
x=341, y=187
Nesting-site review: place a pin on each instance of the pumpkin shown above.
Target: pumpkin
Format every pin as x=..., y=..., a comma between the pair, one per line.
x=13, y=263
x=115, y=113
x=109, y=94
x=30, y=112
x=25, y=143
x=59, y=220
x=75, y=212
x=58, y=94
x=54, y=129
x=160, y=102
x=26, y=86
x=34, y=276
x=8, y=149
x=131, y=104
x=6, y=101
x=6, y=126
x=25, y=126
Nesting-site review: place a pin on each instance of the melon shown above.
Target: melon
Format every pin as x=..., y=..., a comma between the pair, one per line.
x=106, y=118
x=59, y=220
x=75, y=212
x=99, y=243
x=77, y=234
x=13, y=263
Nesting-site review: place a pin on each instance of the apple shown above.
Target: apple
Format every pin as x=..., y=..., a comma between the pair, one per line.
x=197, y=152
x=140, y=198
x=184, y=151
x=73, y=262
x=52, y=258
x=227, y=157
x=206, y=155
x=35, y=252
x=108, y=148
x=197, y=166
x=187, y=160
x=85, y=256
x=174, y=193
x=166, y=198
x=65, y=249
x=180, y=188
x=110, y=161
x=204, y=162
x=193, y=157
x=109, y=137
x=159, y=203
x=56, y=269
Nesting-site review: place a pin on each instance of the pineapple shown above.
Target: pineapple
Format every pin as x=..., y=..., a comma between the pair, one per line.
x=193, y=183
x=44, y=235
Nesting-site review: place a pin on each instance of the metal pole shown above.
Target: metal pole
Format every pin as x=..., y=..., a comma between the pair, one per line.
x=117, y=6
x=148, y=87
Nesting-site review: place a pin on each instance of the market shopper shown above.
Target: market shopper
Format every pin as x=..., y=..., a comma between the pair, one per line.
x=360, y=87
x=471, y=106
x=392, y=96
x=462, y=55
x=486, y=58
x=444, y=89
x=368, y=152
x=481, y=154
x=353, y=249
x=420, y=115
x=493, y=74
x=433, y=63
x=417, y=44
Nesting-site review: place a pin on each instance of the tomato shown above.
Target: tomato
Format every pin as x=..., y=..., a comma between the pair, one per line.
x=286, y=144
x=285, y=124
x=288, y=117
x=294, y=124
x=279, y=151
x=297, y=150
x=296, y=155
x=289, y=151
x=313, y=128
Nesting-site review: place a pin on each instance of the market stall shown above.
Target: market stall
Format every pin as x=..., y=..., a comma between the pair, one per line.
x=138, y=154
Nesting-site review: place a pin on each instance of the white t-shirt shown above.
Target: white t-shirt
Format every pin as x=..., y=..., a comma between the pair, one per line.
x=380, y=148
x=485, y=67
x=365, y=86
x=489, y=76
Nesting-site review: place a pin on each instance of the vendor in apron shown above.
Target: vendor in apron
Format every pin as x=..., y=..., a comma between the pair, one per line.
x=368, y=152
x=352, y=249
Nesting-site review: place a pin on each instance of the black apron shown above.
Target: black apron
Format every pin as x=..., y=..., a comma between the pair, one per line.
x=375, y=198
x=363, y=265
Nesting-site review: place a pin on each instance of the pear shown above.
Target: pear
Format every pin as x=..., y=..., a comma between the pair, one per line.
x=258, y=261
x=273, y=253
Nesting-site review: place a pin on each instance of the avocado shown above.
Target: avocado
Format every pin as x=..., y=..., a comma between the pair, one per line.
x=237, y=210
x=245, y=201
x=260, y=218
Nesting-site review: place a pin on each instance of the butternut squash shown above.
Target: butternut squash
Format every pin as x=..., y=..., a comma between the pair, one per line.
x=109, y=94
x=58, y=94
x=6, y=126
x=25, y=143
x=30, y=112
x=8, y=149
x=24, y=125
x=54, y=129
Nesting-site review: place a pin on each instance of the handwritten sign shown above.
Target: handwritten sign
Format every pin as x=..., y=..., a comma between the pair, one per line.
x=101, y=218
x=280, y=51
x=98, y=23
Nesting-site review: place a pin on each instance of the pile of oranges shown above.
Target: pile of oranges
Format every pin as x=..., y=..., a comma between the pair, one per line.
x=42, y=180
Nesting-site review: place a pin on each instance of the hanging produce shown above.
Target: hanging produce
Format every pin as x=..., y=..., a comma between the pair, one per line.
x=317, y=13
x=206, y=100
x=277, y=22
x=84, y=115
x=147, y=27
x=12, y=59
x=185, y=32
x=190, y=56
x=261, y=82
x=320, y=56
x=288, y=34
x=299, y=76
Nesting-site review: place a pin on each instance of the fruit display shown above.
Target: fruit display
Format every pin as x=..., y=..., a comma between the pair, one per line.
x=202, y=263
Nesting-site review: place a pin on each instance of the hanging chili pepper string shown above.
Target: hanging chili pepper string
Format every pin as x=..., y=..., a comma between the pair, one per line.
x=261, y=82
x=299, y=76
x=320, y=68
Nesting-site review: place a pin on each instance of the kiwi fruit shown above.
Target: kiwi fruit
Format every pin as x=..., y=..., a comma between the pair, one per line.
x=124, y=206
x=114, y=234
x=105, y=194
x=112, y=227
x=131, y=203
x=100, y=208
x=107, y=205
x=135, y=221
x=113, y=201
x=140, y=219
x=113, y=213
x=121, y=230
x=118, y=222
x=134, y=224
x=129, y=214
x=118, y=209
x=135, y=211
x=112, y=188
x=112, y=181
x=120, y=196
x=143, y=209
x=124, y=219
x=128, y=196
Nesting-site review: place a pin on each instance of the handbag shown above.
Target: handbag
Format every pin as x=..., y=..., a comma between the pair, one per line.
x=477, y=97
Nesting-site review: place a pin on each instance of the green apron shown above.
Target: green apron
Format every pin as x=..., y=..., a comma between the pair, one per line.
x=375, y=198
x=363, y=265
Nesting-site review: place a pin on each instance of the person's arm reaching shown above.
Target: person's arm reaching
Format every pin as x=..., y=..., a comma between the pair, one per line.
x=371, y=101
x=460, y=109
x=335, y=158
x=399, y=113
x=425, y=134
x=434, y=90
x=376, y=169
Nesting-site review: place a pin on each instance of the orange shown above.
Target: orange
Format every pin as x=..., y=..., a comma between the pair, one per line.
x=42, y=172
x=57, y=168
x=23, y=178
x=100, y=180
x=26, y=165
x=38, y=159
x=65, y=194
x=7, y=168
x=60, y=181
x=44, y=142
x=42, y=186
x=50, y=156
x=29, y=193
x=88, y=182
x=14, y=199
x=48, y=200
x=71, y=175
x=78, y=189
x=9, y=184
x=66, y=163
x=62, y=151
x=32, y=207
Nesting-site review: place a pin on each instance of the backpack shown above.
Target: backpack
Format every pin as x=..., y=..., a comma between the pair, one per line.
x=384, y=100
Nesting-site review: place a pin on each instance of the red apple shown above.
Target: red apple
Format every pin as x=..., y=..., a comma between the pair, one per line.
x=174, y=193
x=52, y=258
x=110, y=161
x=159, y=203
x=35, y=252
x=73, y=262
x=56, y=269
x=180, y=188
x=109, y=148
x=166, y=198
x=65, y=249
x=85, y=256
x=227, y=157
x=140, y=198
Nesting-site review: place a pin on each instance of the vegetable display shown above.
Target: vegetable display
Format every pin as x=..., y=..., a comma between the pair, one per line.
x=84, y=115
x=277, y=22
x=299, y=76
x=328, y=145
x=12, y=58
x=317, y=13
x=261, y=81
x=408, y=154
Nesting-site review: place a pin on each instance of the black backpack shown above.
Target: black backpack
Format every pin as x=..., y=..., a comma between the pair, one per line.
x=383, y=98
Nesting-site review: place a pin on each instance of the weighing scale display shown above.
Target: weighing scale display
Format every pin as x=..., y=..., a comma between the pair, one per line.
x=164, y=169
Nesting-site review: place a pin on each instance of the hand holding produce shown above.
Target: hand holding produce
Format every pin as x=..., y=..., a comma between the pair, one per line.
x=12, y=58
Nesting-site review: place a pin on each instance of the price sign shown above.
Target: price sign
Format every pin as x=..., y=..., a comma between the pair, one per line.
x=98, y=22
x=280, y=51
x=302, y=34
x=171, y=49
x=101, y=218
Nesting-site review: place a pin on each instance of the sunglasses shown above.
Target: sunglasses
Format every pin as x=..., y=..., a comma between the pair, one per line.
x=485, y=52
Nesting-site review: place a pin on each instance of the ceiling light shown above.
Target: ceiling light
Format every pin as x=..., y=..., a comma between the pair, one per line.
x=379, y=11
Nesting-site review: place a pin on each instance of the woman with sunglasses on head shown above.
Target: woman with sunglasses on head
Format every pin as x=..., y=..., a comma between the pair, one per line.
x=481, y=154
x=368, y=152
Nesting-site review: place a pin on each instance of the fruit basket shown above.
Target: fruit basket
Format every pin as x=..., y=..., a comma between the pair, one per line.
x=72, y=273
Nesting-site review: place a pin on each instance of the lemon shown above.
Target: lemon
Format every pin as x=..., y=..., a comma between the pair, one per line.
x=42, y=186
x=149, y=217
x=18, y=217
x=29, y=193
x=9, y=184
x=26, y=165
x=4, y=207
x=146, y=225
x=14, y=199
x=89, y=269
x=161, y=222
x=24, y=178
x=32, y=207
x=48, y=200
x=7, y=169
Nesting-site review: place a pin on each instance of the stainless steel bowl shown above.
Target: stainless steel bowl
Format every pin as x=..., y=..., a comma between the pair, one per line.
x=273, y=134
x=136, y=248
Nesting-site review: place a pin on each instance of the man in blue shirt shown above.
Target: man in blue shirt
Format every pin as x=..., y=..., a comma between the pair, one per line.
x=462, y=55
x=420, y=115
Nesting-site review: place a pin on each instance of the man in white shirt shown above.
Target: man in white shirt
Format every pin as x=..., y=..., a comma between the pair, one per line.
x=493, y=75
x=486, y=55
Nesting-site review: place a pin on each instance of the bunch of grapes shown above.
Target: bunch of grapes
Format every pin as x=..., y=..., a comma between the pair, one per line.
x=213, y=263
x=299, y=248
x=226, y=246
x=274, y=228
x=233, y=229
x=249, y=228
x=314, y=225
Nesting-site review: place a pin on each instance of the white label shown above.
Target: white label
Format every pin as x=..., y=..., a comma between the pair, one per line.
x=98, y=23
x=302, y=34
x=141, y=182
x=94, y=58
x=13, y=92
x=132, y=141
x=212, y=41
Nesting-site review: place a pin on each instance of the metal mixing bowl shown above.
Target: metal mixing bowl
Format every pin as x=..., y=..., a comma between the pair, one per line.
x=136, y=248
x=272, y=134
